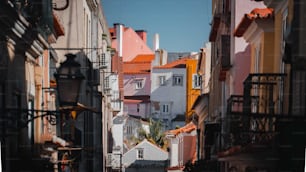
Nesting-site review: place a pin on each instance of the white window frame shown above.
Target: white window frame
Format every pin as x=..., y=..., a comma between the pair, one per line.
x=162, y=80
x=165, y=108
x=196, y=81
x=257, y=58
x=140, y=153
x=106, y=83
x=138, y=84
x=177, y=80
x=129, y=130
x=102, y=60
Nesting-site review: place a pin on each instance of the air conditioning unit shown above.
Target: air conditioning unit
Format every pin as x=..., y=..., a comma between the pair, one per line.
x=109, y=160
x=102, y=61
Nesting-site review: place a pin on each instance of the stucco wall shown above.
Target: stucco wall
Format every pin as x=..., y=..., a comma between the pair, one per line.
x=151, y=153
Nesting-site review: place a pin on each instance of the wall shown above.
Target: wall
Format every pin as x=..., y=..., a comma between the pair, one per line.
x=169, y=94
x=151, y=153
x=132, y=45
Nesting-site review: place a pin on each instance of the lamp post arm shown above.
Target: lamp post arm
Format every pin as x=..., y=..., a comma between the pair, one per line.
x=51, y=120
x=30, y=113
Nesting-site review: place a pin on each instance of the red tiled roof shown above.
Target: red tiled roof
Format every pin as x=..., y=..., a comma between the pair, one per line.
x=131, y=101
x=180, y=63
x=136, y=67
x=111, y=30
x=185, y=129
x=257, y=13
x=144, y=58
x=141, y=64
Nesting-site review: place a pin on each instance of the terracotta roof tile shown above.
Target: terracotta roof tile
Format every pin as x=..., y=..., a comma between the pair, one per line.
x=185, y=129
x=257, y=13
x=144, y=58
x=131, y=101
x=136, y=67
x=180, y=63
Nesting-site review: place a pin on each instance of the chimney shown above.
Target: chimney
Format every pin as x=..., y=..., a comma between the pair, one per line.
x=142, y=34
x=119, y=35
x=156, y=42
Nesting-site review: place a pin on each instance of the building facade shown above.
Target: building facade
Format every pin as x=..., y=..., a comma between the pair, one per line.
x=26, y=33
x=128, y=42
x=137, y=86
x=257, y=129
x=182, y=145
x=168, y=91
x=37, y=133
x=145, y=156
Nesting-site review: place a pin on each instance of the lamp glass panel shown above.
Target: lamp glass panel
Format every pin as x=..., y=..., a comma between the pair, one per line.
x=68, y=91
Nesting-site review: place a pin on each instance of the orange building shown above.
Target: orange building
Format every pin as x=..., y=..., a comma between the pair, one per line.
x=193, y=86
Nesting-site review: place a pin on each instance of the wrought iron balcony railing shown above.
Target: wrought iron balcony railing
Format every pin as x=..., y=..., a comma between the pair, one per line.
x=252, y=117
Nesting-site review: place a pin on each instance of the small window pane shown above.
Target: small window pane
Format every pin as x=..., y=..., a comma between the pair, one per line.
x=177, y=80
x=140, y=154
x=138, y=84
x=162, y=80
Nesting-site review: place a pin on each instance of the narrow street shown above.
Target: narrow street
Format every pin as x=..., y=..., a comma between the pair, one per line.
x=154, y=86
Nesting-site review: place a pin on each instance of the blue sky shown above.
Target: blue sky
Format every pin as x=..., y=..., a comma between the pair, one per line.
x=182, y=25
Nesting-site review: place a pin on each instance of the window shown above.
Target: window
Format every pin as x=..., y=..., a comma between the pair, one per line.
x=165, y=108
x=138, y=84
x=196, y=81
x=257, y=58
x=162, y=80
x=140, y=153
x=102, y=60
x=177, y=80
x=256, y=70
x=106, y=83
x=129, y=130
x=284, y=29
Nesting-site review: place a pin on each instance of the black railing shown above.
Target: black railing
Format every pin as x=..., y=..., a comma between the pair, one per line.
x=269, y=87
x=252, y=117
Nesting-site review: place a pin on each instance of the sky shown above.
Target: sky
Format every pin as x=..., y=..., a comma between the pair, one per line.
x=182, y=25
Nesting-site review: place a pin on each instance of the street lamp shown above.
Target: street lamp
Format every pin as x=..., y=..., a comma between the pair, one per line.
x=68, y=80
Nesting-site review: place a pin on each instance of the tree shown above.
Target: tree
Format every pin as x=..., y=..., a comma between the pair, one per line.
x=155, y=135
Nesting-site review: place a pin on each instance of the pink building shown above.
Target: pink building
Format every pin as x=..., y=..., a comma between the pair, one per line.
x=137, y=85
x=128, y=42
x=240, y=48
x=183, y=148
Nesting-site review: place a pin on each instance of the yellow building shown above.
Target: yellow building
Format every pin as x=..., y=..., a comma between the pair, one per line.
x=193, y=86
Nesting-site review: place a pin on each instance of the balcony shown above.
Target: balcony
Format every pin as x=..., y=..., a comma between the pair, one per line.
x=253, y=118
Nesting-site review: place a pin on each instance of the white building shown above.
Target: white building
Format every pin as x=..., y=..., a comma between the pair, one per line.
x=168, y=91
x=145, y=157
